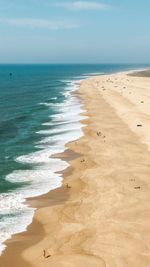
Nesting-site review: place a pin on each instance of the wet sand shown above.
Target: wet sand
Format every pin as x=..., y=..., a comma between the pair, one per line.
x=100, y=216
x=144, y=73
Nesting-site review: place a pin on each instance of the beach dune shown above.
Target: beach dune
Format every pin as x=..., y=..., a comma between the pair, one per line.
x=101, y=215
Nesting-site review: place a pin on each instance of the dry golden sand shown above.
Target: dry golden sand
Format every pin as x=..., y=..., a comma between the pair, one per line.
x=101, y=215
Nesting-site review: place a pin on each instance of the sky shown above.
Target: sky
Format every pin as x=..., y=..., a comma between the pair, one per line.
x=71, y=31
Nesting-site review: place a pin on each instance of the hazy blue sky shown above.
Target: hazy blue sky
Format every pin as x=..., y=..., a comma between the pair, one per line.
x=66, y=31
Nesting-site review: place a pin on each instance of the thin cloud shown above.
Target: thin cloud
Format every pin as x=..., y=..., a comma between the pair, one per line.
x=83, y=5
x=40, y=23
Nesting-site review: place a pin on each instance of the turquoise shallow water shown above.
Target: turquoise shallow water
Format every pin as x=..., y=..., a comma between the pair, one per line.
x=38, y=115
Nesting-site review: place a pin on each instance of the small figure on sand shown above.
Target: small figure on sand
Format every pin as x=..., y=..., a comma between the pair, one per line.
x=137, y=187
x=45, y=254
x=99, y=133
x=68, y=186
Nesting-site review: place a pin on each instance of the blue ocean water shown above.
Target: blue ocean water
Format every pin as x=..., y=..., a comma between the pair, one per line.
x=38, y=116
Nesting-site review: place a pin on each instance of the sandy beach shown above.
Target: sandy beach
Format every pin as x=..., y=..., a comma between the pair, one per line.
x=100, y=216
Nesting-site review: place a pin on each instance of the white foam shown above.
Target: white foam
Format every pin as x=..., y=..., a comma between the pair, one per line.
x=10, y=224
x=45, y=104
x=61, y=128
x=11, y=202
x=42, y=157
x=39, y=182
x=93, y=74
x=64, y=122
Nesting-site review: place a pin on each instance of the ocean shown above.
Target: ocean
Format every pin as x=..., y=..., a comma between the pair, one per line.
x=38, y=116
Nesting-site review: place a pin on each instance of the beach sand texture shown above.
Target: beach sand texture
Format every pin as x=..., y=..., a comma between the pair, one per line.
x=101, y=215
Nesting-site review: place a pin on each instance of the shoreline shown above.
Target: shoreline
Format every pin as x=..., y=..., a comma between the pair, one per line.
x=75, y=101
x=75, y=199
x=53, y=197
x=30, y=237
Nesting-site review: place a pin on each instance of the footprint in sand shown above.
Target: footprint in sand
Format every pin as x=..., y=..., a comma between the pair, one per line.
x=132, y=180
